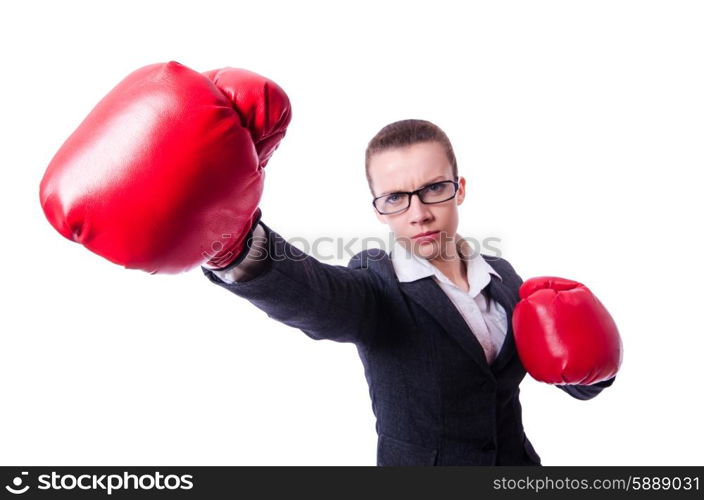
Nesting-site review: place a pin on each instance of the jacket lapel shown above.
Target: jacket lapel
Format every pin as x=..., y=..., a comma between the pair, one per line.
x=428, y=294
x=500, y=293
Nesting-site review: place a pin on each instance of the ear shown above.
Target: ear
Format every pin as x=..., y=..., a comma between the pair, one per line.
x=461, y=190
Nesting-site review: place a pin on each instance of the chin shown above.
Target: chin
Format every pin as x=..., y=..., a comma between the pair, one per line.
x=429, y=252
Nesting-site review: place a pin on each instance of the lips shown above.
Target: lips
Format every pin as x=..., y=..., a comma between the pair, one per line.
x=422, y=235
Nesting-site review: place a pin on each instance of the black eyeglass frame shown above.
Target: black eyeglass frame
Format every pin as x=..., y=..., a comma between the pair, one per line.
x=417, y=192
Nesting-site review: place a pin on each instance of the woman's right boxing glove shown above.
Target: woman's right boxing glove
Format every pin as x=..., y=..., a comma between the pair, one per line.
x=166, y=172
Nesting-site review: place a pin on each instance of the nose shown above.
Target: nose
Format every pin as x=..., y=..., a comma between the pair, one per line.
x=418, y=212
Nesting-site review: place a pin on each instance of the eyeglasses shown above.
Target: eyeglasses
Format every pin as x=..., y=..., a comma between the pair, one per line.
x=394, y=203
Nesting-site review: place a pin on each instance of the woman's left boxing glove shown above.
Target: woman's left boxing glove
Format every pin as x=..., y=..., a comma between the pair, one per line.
x=564, y=334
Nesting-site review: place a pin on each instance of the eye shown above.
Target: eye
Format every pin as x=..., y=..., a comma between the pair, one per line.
x=435, y=187
x=392, y=198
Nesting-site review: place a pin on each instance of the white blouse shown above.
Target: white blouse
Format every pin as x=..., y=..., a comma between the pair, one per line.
x=485, y=317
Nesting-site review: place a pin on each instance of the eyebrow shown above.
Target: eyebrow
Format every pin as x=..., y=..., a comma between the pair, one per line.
x=422, y=186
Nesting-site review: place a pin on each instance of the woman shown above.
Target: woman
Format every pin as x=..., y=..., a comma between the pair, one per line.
x=431, y=321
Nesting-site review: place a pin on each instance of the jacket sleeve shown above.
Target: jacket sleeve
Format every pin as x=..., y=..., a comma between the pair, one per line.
x=582, y=392
x=324, y=301
x=585, y=392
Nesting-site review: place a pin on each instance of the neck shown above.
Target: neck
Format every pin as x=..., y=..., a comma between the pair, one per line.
x=453, y=265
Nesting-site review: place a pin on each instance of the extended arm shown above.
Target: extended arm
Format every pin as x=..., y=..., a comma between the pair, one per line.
x=324, y=301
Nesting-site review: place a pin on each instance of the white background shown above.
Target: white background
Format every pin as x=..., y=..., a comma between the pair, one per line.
x=578, y=126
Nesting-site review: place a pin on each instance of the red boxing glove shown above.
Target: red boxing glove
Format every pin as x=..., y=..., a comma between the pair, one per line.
x=262, y=105
x=563, y=334
x=166, y=172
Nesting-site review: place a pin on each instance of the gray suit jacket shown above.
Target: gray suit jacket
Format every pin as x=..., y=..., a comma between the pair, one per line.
x=436, y=399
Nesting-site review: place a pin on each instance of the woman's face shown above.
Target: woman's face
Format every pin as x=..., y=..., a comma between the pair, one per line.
x=409, y=168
